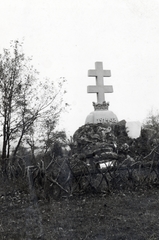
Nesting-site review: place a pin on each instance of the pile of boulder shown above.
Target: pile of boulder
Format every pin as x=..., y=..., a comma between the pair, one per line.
x=98, y=149
x=97, y=142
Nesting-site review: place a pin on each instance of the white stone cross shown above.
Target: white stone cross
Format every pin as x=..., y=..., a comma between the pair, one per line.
x=100, y=88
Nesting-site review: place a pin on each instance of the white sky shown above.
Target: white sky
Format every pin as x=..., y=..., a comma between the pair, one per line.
x=67, y=37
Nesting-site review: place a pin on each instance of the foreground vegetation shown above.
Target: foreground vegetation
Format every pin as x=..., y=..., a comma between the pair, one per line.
x=117, y=215
x=126, y=207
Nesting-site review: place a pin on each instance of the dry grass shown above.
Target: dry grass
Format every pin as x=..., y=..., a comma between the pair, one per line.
x=118, y=215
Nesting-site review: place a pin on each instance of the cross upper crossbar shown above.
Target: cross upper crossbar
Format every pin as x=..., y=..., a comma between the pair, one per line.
x=100, y=88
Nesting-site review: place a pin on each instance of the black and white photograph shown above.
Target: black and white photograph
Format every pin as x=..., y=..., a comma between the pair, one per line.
x=79, y=120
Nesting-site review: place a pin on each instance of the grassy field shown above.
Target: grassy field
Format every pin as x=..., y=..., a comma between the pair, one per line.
x=117, y=215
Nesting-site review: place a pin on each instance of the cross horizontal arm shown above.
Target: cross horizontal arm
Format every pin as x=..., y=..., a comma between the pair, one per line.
x=94, y=73
x=97, y=89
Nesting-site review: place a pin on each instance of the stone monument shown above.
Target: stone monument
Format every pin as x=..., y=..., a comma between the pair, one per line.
x=102, y=141
x=101, y=113
x=96, y=139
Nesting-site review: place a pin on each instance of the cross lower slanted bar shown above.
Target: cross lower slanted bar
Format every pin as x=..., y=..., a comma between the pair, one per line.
x=100, y=88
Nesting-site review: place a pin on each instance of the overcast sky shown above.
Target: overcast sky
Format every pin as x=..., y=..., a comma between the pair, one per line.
x=67, y=37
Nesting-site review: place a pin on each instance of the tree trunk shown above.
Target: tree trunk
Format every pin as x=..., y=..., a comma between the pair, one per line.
x=4, y=148
x=17, y=147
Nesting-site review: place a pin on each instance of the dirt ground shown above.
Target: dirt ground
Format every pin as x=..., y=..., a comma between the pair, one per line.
x=117, y=215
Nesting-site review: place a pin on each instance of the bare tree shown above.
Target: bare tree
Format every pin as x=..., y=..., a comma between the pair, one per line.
x=24, y=99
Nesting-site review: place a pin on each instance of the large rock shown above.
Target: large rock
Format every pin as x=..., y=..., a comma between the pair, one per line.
x=96, y=142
